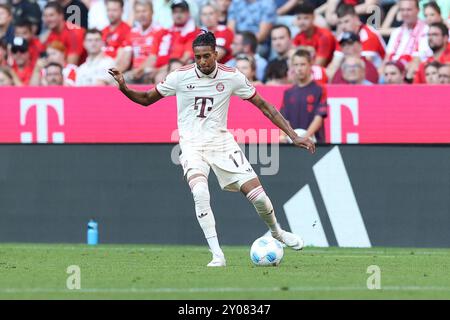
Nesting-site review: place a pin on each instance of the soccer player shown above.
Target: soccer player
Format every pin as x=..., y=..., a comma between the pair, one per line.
x=203, y=92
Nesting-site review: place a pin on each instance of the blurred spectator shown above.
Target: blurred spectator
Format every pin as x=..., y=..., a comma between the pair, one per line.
x=55, y=53
x=7, y=77
x=247, y=65
x=321, y=39
x=318, y=73
x=354, y=71
x=223, y=6
x=21, y=60
x=75, y=11
x=351, y=47
x=173, y=65
x=3, y=54
x=305, y=104
x=277, y=73
x=6, y=25
x=432, y=72
x=362, y=8
x=173, y=43
x=116, y=36
x=257, y=16
x=438, y=42
x=444, y=74
x=281, y=42
x=409, y=42
x=442, y=7
x=209, y=16
x=24, y=29
x=28, y=10
x=70, y=35
x=373, y=46
x=94, y=71
x=54, y=75
x=142, y=37
x=98, y=17
x=394, y=73
x=246, y=42
x=432, y=13
x=162, y=16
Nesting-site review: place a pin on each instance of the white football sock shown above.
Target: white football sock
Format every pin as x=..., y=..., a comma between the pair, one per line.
x=264, y=207
x=204, y=214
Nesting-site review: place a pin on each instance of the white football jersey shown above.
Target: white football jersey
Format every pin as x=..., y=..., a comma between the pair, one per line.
x=203, y=101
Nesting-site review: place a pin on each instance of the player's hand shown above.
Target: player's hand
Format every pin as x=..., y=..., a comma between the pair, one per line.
x=118, y=76
x=305, y=142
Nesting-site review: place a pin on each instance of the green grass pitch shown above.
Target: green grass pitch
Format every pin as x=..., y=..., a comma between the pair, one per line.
x=39, y=271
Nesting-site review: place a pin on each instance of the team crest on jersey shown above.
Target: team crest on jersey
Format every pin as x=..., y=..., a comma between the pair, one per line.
x=220, y=87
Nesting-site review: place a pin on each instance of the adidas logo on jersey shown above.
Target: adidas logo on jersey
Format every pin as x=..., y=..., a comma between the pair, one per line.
x=190, y=86
x=201, y=215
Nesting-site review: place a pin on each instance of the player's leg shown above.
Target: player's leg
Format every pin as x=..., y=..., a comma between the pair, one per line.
x=198, y=183
x=255, y=193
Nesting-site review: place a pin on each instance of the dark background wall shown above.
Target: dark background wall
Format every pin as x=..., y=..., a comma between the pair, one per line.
x=49, y=192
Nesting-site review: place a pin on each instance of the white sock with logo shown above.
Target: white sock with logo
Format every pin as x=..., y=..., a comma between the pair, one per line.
x=204, y=214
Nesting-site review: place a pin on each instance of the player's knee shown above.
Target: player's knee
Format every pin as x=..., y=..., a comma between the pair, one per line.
x=199, y=189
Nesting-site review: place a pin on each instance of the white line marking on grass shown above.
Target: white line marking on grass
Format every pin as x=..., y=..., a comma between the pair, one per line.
x=217, y=290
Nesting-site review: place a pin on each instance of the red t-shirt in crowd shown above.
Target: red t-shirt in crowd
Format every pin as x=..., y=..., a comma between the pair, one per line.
x=25, y=73
x=141, y=43
x=72, y=36
x=420, y=74
x=224, y=39
x=322, y=40
x=35, y=47
x=116, y=38
x=172, y=43
x=371, y=73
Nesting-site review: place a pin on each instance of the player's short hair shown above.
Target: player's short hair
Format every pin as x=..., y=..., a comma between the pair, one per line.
x=54, y=64
x=441, y=26
x=303, y=8
x=117, y=1
x=249, y=39
x=55, y=6
x=93, y=31
x=303, y=53
x=433, y=5
x=345, y=9
x=282, y=26
x=205, y=39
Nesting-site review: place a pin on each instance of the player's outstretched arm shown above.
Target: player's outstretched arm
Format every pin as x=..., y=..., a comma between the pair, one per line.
x=144, y=98
x=275, y=116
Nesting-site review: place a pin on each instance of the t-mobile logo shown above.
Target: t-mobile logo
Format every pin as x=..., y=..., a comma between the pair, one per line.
x=340, y=203
x=337, y=125
x=42, y=108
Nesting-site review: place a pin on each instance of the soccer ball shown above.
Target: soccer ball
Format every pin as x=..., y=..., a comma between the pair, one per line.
x=266, y=251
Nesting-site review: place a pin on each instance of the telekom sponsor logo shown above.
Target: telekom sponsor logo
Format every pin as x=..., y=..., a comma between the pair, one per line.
x=42, y=107
x=336, y=108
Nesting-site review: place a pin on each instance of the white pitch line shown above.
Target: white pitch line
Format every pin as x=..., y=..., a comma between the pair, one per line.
x=218, y=290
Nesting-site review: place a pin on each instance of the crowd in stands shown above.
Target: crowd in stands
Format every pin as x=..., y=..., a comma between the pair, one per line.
x=366, y=42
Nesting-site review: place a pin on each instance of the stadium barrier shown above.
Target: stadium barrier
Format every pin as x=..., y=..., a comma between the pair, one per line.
x=357, y=114
x=344, y=195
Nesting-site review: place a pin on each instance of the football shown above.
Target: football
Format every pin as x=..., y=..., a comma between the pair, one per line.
x=266, y=251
